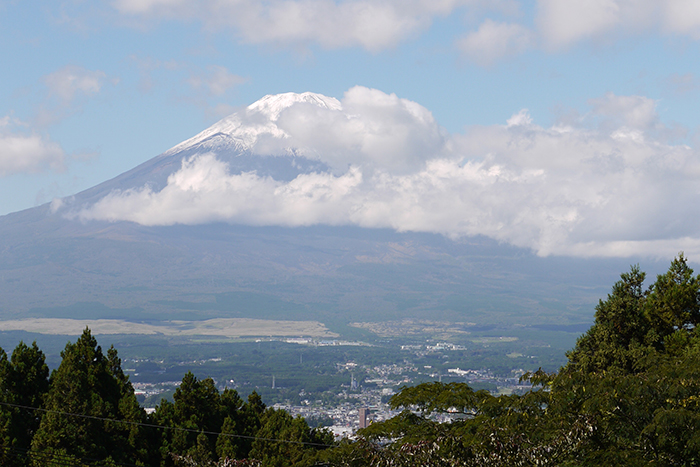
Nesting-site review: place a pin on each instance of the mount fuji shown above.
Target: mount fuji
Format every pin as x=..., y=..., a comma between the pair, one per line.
x=81, y=257
x=232, y=139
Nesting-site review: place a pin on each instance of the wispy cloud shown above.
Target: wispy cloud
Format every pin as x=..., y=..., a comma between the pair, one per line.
x=681, y=17
x=73, y=81
x=216, y=80
x=495, y=41
x=67, y=90
x=25, y=151
x=378, y=25
x=681, y=84
x=563, y=23
x=148, y=66
x=636, y=112
x=205, y=87
x=373, y=25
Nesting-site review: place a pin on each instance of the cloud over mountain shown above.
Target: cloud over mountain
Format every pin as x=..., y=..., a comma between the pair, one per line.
x=23, y=151
x=605, y=185
x=372, y=129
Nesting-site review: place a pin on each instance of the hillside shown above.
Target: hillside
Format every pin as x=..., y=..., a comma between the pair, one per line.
x=64, y=260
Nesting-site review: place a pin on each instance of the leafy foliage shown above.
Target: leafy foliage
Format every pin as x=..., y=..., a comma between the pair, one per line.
x=212, y=428
x=92, y=386
x=629, y=395
x=23, y=383
x=86, y=413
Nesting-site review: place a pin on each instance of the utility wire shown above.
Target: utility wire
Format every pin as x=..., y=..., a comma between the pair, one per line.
x=150, y=425
x=54, y=458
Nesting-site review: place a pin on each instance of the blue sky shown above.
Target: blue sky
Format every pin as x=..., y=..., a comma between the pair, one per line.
x=91, y=89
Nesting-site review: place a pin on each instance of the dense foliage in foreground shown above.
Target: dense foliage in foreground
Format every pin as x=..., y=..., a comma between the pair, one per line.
x=629, y=395
x=86, y=413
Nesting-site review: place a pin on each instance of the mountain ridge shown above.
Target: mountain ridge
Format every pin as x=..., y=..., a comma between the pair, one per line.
x=50, y=260
x=233, y=131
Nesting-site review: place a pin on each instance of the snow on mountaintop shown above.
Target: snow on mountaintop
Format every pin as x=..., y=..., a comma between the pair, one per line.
x=272, y=105
x=241, y=130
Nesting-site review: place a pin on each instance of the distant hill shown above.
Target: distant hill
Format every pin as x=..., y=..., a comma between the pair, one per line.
x=54, y=264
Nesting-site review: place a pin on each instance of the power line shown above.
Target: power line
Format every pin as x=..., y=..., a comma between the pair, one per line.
x=151, y=425
x=56, y=458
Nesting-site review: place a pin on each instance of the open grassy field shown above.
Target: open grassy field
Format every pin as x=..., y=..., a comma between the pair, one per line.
x=222, y=327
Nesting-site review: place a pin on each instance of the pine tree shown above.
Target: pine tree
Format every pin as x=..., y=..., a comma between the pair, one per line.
x=25, y=385
x=629, y=395
x=87, y=388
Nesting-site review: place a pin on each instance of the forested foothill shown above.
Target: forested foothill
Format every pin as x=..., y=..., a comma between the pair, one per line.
x=86, y=413
x=629, y=394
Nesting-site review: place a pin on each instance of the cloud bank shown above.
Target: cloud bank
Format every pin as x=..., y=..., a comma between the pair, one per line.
x=24, y=151
x=376, y=25
x=371, y=24
x=562, y=23
x=371, y=129
x=609, y=184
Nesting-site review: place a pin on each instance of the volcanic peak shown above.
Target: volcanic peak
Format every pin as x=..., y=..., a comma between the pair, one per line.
x=242, y=129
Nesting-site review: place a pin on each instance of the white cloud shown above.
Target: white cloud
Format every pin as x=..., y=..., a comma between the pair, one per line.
x=56, y=204
x=682, y=17
x=494, y=41
x=72, y=81
x=371, y=24
x=637, y=112
x=563, y=23
x=217, y=80
x=164, y=7
x=584, y=190
x=522, y=118
x=371, y=128
x=377, y=25
x=196, y=191
x=26, y=152
x=67, y=90
x=555, y=208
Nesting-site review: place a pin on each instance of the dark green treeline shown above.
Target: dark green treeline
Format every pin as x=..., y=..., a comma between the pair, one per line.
x=628, y=396
x=86, y=413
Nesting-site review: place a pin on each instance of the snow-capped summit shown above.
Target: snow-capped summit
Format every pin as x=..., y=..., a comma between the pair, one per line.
x=241, y=130
x=273, y=104
x=232, y=140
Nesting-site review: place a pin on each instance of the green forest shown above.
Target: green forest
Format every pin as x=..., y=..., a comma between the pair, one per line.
x=629, y=394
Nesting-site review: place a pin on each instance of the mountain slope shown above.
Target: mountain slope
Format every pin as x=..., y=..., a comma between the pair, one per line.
x=52, y=263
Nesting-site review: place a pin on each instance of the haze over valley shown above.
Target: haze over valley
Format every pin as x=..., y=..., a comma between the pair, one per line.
x=105, y=254
x=442, y=211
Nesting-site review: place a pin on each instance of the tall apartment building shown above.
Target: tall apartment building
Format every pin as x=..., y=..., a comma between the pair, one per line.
x=364, y=413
